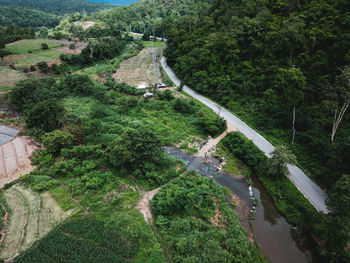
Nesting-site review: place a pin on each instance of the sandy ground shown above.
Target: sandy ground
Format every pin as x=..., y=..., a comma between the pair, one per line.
x=85, y=24
x=144, y=207
x=14, y=159
x=211, y=144
x=79, y=46
x=138, y=70
x=32, y=217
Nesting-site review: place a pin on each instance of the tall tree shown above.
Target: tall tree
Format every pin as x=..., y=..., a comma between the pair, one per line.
x=281, y=156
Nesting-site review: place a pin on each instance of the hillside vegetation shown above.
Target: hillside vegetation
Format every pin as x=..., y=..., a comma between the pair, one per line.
x=265, y=60
x=145, y=15
x=48, y=13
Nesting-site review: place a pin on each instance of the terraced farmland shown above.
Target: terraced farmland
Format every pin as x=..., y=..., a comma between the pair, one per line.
x=32, y=217
x=14, y=159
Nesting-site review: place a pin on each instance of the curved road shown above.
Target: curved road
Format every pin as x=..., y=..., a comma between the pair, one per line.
x=305, y=185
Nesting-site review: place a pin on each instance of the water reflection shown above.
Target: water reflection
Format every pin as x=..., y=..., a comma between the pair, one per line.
x=278, y=240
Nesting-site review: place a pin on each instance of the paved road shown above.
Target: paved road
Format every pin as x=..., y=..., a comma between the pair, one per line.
x=306, y=186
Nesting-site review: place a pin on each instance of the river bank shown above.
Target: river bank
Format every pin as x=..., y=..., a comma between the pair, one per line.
x=279, y=240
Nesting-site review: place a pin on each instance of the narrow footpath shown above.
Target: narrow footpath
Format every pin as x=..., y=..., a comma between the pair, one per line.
x=304, y=184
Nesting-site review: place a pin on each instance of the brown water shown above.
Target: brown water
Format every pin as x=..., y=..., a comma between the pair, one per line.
x=278, y=240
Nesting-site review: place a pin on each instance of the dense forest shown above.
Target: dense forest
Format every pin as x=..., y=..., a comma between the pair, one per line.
x=13, y=33
x=268, y=61
x=145, y=15
x=266, y=58
x=48, y=13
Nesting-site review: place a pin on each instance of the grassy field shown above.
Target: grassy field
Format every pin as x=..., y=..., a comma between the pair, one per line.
x=26, y=59
x=8, y=77
x=32, y=217
x=155, y=44
x=23, y=46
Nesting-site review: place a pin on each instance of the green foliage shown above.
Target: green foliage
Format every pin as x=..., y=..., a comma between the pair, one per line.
x=212, y=125
x=134, y=148
x=246, y=151
x=42, y=12
x=45, y=115
x=42, y=158
x=186, y=195
x=83, y=239
x=76, y=84
x=72, y=46
x=43, y=66
x=184, y=210
x=339, y=199
x=44, y=46
x=165, y=95
x=223, y=54
x=13, y=33
x=56, y=140
x=149, y=14
x=184, y=106
x=281, y=156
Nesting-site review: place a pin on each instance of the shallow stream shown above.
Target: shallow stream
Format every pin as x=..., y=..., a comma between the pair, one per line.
x=279, y=240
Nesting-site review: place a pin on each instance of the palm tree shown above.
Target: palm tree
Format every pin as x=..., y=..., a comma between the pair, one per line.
x=281, y=156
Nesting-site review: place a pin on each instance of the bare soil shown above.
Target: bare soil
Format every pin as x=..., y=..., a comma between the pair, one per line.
x=85, y=24
x=14, y=159
x=243, y=212
x=144, y=207
x=211, y=144
x=138, y=70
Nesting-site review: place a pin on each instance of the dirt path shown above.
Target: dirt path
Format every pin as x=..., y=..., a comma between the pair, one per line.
x=32, y=216
x=14, y=159
x=144, y=207
x=138, y=70
x=211, y=144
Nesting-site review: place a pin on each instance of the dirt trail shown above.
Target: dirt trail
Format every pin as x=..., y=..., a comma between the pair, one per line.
x=14, y=159
x=144, y=207
x=31, y=218
x=138, y=70
x=211, y=144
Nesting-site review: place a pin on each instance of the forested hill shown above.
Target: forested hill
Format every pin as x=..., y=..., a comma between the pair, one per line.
x=263, y=58
x=43, y=12
x=148, y=14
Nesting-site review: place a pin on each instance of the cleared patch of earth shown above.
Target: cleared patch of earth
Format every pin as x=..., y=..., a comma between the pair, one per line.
x=144, y=207
x=211, y=144
x=32, y=217
x=138, y=70
x=14, y=159
x=85, y=24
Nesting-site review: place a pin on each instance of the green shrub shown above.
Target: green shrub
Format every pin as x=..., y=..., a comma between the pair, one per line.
x=32, y=68
x=212, y=125
x=246, y=151
x=43, y=66
x=46, y=115
x=56, y=140
x=133, y=148
x=42, y=158
x=166, y=95
x=184, y=106
x=44, y=46
x=77, y=84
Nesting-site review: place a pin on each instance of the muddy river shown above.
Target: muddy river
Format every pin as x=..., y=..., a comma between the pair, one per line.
x=279, y=240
